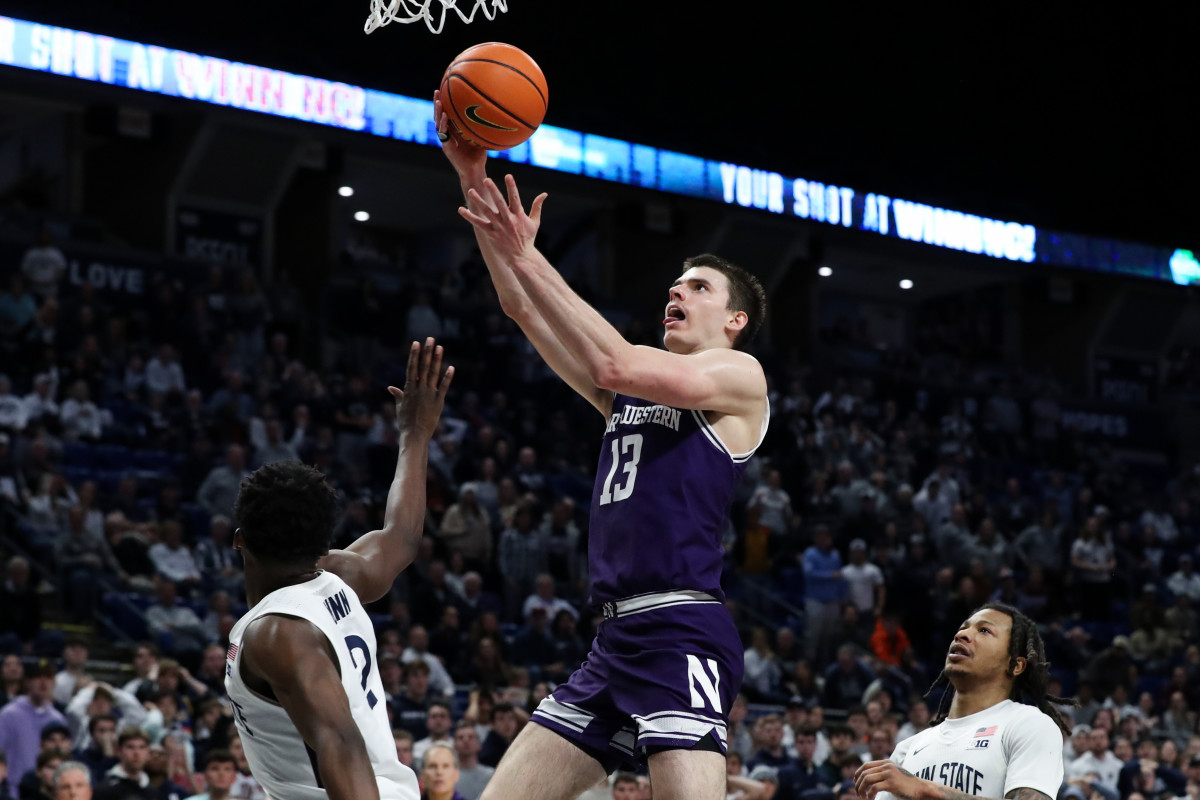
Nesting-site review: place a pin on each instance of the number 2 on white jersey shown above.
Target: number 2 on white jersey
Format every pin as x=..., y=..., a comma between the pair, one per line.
x=622, y=446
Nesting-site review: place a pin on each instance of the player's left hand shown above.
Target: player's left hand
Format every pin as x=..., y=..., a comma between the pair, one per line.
x=419, y=404
x=887, y=776
x=504, y=222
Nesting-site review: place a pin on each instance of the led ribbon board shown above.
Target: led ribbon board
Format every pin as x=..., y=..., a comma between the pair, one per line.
x=177, y=73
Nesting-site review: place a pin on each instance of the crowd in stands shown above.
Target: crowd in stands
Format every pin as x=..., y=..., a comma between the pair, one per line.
x=876, y=515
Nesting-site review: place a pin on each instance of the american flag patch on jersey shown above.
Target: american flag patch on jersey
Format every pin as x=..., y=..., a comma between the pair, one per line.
x=985, y=732
x=231, y=654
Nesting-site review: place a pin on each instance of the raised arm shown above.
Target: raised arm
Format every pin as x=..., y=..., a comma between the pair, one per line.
x=298, y=662
x=713, y=380
x=371, y=564
x=470, y=164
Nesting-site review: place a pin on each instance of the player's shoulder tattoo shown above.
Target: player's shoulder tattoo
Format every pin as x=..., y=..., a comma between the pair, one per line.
x=1025, y=793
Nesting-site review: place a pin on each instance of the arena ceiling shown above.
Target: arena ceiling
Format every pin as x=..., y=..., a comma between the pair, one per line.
x=1080, y=120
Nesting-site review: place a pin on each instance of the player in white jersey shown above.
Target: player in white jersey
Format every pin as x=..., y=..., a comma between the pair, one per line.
x=989, y=745
x=300, y=671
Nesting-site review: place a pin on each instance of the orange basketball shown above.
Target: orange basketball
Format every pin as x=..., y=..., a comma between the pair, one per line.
x=495, y=95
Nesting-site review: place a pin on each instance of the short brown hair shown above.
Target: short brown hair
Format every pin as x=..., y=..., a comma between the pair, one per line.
x=131, y=732
x=746, y=294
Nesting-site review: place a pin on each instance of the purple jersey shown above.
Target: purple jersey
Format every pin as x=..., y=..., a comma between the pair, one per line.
x=661, y=502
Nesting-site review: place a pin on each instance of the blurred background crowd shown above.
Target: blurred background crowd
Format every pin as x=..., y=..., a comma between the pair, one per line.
x=884, y=505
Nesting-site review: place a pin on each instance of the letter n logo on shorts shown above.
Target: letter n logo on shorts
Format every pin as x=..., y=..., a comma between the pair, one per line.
x=698, y=677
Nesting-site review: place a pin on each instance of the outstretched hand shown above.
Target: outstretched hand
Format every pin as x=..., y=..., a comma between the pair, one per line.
x=467, y=159
x=503, y=223
x=419, y=404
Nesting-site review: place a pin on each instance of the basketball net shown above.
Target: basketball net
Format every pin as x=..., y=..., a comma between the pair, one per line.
x=406, y=11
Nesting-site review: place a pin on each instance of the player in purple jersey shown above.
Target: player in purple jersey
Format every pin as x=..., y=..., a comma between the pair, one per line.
x=666, y=663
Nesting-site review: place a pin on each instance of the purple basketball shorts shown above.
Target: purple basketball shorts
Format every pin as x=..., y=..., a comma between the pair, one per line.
x=663, y=671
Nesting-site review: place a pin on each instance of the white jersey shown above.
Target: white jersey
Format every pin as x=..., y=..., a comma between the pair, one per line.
x=989, y=753
x=278, y=756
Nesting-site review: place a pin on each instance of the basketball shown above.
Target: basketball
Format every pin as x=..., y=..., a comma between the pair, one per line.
x=495, y=95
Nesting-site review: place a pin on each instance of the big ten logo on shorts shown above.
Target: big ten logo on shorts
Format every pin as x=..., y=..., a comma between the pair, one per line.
x=704, y=682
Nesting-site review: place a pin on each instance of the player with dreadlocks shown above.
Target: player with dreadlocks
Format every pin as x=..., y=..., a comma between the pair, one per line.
x=990, y=744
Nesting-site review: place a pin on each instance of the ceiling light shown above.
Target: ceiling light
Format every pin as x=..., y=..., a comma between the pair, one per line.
x=825, y=272
x=906, y=284
x=346, y=191
x=361, y=216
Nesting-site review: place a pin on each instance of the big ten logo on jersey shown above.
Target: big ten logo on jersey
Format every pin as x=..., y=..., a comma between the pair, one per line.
x=704, y=682
x=982, y=738
x=338, y=605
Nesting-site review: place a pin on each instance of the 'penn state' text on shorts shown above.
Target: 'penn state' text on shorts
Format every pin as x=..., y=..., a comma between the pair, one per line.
x=663, y=671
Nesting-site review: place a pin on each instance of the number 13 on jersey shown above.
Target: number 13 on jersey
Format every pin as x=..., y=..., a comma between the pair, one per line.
x=628, y=448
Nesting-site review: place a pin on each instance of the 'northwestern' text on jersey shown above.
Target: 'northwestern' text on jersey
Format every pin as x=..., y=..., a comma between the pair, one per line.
x=660, y=506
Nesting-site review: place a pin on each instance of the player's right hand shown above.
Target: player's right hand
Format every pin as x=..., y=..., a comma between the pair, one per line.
x=467, y=159
x=419, y=404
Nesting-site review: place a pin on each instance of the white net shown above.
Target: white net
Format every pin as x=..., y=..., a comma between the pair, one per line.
x=432, y=11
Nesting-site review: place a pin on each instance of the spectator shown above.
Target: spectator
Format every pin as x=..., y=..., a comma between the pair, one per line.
x=20, y=603
x=274, y=448
x=175, y=625
x=412, y=708
x=804, y=773
x=864, y=583
x=824, y=589
x=72, y=781
x=13, y=411
x=1041, y=544
x=164, y=374
x=440, y=775
x=245, y=787
x=100, y=754
x=467, y=529
x=159, y=772
x=17, y=306
x=521, y=557
x=1185, y=581
x=772, y=752
x=145, y=667
x=214, y=558
x=544, y=598
x=1098, y=760
x=173, y=560
x=561, y=537
x=889, y=640
x=219, y=490
x=763, y=676
x=86, y=564
x=418, y=650
x=932, y=505
x=220, y=774
x=504, y=730
x=1092, y=558
x=128, y=779
x=44, y=266
x=81, y=418
x=404, y=746
x=68, y=679
x=38, y=784
x=918, y=719
x=991, y=549
x=846, y=680
x=534, y=645
x=438, y=725
x=773, y=504
x=433, y=596
x=472, y=776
